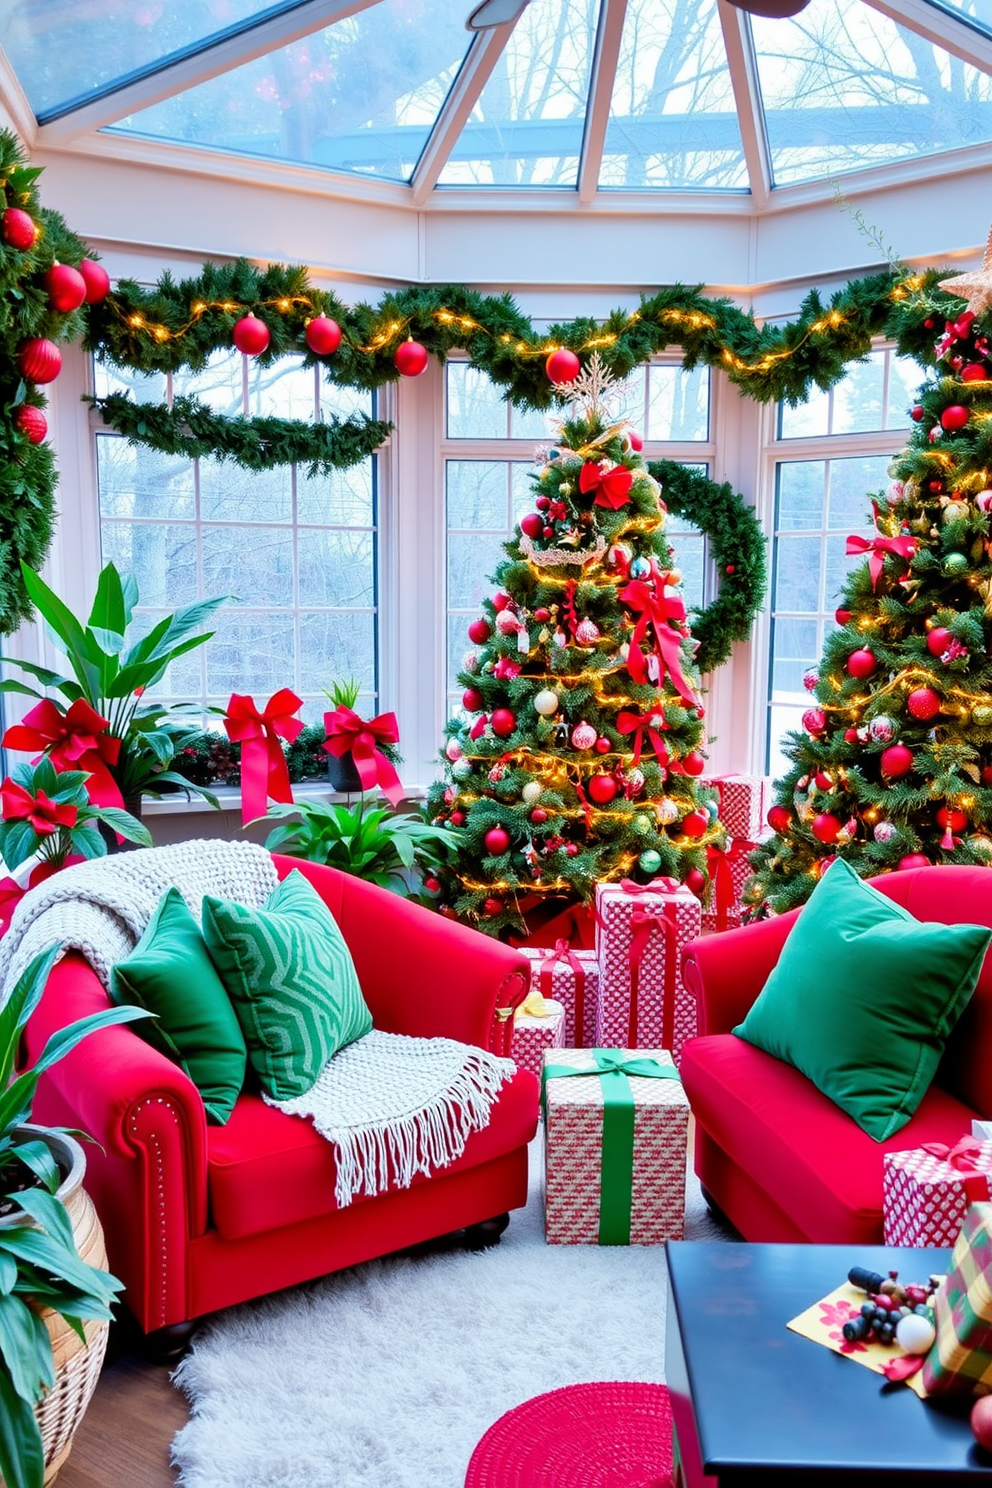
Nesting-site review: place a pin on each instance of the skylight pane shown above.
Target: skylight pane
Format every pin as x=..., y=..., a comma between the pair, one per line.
x=977, y=12
x=67, y=52
x=672, y=121
x=844, y=87
x=360, y=96
x=526, y=128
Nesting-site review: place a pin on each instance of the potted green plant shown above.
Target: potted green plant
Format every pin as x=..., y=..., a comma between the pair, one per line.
x=105, y=724
x=54, y=1301
x=341, y=771
x=48, y=814
x=377, y=844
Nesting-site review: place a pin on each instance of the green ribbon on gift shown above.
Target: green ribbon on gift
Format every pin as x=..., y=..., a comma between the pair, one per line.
x=616, y=1183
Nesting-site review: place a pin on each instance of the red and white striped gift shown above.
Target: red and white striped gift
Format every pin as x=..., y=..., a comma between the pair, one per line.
x=571, y=978
x=641, y=932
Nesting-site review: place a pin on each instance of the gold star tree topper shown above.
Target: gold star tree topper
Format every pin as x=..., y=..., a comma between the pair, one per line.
x=976, y=288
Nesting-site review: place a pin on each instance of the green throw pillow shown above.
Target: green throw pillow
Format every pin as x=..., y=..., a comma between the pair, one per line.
x=863, y=998
x=291, y=978
x=170, y=974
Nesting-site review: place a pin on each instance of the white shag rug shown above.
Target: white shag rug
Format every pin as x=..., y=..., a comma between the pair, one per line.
x=387, y=1375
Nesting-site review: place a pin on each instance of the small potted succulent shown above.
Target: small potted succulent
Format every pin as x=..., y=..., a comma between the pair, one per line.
x=344, y=728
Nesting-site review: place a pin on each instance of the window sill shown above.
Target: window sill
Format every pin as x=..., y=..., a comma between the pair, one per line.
x=229, y=797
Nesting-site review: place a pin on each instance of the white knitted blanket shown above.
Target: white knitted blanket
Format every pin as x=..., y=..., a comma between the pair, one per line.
x=102, y=907
x=394, y=1106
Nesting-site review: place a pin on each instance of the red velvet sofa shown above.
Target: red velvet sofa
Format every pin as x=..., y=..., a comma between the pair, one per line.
x=780, y=1160
x=198, y=1217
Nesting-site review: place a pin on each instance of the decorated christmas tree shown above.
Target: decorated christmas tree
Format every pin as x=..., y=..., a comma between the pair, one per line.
x=577, y=756
x=893, y=768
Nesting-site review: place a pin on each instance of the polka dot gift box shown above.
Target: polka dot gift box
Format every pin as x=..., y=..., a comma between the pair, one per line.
x=926, y=1192
x=641, y=932
x=539, y=1025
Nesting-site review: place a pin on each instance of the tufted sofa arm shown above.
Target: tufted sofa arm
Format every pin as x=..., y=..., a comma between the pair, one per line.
x=726, y=972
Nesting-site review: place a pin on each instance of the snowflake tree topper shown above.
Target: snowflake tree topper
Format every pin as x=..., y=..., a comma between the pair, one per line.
x=593, y=389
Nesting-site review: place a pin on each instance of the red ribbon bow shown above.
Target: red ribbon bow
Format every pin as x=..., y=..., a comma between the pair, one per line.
x=644, y=921
x=347, y=733
x=656, y=610
x=644, y=726
x=963, y=1157
x=74, y=740
x=564, y=955
x=263, y=765
x=45, y=815
x=612, y=487
x=877, y=547
x=718, y=868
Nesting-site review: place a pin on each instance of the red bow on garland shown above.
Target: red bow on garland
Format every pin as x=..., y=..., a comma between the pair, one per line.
x=877, y=547
x=349, y=734
x=656, y=610
x=612, y=487
x=644, y=726
x=263, y=765
x=43, y=814
x=75, y=740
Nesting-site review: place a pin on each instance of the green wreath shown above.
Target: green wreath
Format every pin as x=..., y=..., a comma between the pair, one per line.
x=737, y=547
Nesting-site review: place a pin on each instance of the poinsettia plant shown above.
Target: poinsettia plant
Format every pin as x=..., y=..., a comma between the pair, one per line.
x=48, y=813
x=102, y=722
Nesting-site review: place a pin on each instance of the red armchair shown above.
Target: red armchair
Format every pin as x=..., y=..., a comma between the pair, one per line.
x=198, y=1217
x=780, y=1160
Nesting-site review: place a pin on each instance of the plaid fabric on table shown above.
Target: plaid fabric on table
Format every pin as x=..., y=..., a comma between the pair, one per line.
x=960, y=1361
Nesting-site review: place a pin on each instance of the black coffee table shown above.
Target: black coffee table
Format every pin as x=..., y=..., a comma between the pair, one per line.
x=757, y=1406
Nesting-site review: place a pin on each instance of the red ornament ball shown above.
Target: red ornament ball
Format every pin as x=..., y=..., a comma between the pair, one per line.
x=31, y=422
x=432, y=885
x=497, y=840
x=935, y=487
x=66, y=288
x=603, y=745
x=471, y=700
x=411, y=358
x=918, y=413
x=503, y=722
x=861, y=663
x=814, y=720
x=897, y=760
x=987, y=774
x=96, y=279
x=823, y=781
x=695, y=824
x=39, y=360
x=448, y=910
x=730, y=568
x=457, y=818
x=539, y=815
x=981, y=1421
x=851, y=736
x=322, y=335
x=562, y=366
x=694, y=763
x=923, y=703
x=492, y=907
x=250, y=335
x=501, y=602
x=479, y=632
x=953, y=418
x=826, y=827
x=571, y=849
x=842, y=616
x=18, y=229
x=938, y=640
x=541, y=614
x=953, y=818
x=636, y=441
x=532, y=525
x=695, y=881
x=780, y=819
x=914, y=860
x=602, y=789
x=973, y=372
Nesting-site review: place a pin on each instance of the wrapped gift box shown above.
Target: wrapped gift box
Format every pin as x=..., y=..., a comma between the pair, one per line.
x=742, y=803
x=571, y=978
x=725, y=901
x=614, y=1148
x=926, y=1191
x=641, y=932
x=535, y=1032
x=960, y=1361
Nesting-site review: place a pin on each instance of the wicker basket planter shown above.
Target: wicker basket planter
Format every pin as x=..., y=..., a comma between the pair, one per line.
x=77, y=1365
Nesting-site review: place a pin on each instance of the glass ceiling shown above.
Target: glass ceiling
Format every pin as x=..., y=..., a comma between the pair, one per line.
x=839, y=87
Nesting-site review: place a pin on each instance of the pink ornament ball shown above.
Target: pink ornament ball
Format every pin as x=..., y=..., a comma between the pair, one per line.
x=562, y=366
x=636, y=441
x=31, y=422
x=694, y=763
x=896, y=761
x=503, y=602
x=814, y=720
x=780, y=819
x=40, y=360
x=953, y=418
x=914, y=860
x=811, y=678
x=938, y=640
x=861, y=663
x=602, y=789
x=250, y=335
x=66, y=288
x=583, y=736
x=850, y=736
x=587, y=632
x=17, y=229
x=981, y=1421
x=471, y=700
x=453, y=750
x=507, y=623
x=411, y=358
x=96, y=279
x=503, y=722
x=479, y=632
x=322, y=335
x=532, y=525
x=826, y=827
x=695, y=824
x=923, y=703
x=497, y=840
x=695, y=882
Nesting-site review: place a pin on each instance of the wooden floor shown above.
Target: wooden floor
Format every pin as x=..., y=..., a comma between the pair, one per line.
x=124, y=1438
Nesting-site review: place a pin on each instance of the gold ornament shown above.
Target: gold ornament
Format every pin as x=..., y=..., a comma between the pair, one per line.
x=976, y=287
x=981, y=716
x=955, y=511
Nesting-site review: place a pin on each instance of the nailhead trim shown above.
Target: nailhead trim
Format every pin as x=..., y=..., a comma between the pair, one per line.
x=154, y=1148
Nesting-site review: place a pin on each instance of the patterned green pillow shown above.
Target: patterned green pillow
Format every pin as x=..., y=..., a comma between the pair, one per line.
x=292, y=981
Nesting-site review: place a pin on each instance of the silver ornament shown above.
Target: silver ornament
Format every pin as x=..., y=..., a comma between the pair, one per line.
x=882, y=729
x=884, y=831
x=666, y=811
x=462, y=768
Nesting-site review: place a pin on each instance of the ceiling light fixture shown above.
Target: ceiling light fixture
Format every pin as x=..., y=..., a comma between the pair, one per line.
x=776, y=10
x=495, y=13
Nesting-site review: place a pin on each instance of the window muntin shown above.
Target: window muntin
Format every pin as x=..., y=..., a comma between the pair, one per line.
x=874, y=394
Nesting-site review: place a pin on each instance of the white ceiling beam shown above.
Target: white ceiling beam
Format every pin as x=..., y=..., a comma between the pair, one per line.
x=14, y=101
x=220, y=56
x=940, y=28
x=474, y=74
x=605, y=60
x=747, y=96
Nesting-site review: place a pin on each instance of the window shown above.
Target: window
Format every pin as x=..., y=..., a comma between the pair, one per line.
x=839, y=446
x=488, y=479
x=297, y=555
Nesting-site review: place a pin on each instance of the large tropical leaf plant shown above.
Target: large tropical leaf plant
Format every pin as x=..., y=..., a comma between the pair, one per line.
x=39, y=1264
x=112, y=670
